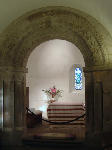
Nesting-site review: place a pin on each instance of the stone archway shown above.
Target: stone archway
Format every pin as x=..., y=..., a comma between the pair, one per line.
x=19, y=39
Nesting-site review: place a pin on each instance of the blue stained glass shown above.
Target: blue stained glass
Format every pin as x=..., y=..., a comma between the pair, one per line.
x=78, y=78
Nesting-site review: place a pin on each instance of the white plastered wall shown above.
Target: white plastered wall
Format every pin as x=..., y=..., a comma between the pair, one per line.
x=51, y=63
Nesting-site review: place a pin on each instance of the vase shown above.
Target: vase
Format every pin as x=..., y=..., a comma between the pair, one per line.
x=52, y=99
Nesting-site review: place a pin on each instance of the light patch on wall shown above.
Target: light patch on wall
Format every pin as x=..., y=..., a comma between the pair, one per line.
x=43, y=108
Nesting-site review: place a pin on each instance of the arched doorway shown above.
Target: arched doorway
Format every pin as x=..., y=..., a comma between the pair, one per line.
x=53, y=63
x=33, y=28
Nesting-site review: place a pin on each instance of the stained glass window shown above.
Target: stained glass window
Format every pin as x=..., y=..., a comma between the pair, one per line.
x=78, y=78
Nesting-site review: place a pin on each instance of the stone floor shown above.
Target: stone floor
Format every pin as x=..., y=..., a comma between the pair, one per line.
x=78, y=131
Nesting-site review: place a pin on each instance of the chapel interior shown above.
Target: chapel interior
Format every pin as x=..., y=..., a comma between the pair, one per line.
x=55, y=62
x=55, y=75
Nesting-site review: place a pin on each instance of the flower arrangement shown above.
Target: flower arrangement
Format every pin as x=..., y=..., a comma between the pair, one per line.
x=53, y=92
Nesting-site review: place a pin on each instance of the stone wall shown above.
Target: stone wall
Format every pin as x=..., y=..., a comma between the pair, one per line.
x=24, y=34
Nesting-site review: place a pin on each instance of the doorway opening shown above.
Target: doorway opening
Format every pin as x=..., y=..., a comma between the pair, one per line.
x=35, y=27
x=51, y=66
